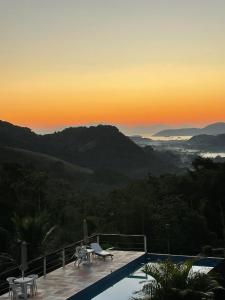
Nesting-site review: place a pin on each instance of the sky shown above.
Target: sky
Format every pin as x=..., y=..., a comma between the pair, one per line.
x=132, y=63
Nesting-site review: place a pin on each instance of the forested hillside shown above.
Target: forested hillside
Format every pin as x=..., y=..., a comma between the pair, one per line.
x=192, y=204
x=96, y=148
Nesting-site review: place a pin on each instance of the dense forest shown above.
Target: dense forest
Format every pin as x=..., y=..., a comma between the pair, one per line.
x=47, y=211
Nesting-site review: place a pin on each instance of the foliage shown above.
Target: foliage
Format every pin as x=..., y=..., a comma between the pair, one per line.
x=177, y=281
x=192, y=203
x=36, y=231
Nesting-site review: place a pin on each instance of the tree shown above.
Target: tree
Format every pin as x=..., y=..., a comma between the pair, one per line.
x=36, y=231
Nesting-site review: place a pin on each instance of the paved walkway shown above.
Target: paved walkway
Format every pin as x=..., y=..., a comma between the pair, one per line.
x=63, y=283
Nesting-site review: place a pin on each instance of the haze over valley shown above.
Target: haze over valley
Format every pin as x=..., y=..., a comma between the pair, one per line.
x=189, y=142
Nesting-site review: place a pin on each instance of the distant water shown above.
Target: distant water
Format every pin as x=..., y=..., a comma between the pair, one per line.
x=161, y=142
x=212, y=154
x=169, y=138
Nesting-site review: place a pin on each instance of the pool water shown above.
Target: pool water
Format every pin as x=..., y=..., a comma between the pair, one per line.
x=126, y=288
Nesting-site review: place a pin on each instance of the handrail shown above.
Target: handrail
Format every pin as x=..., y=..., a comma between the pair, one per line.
x=144, y=243
x=120, y=234
x=80, y=241
x=73, y=244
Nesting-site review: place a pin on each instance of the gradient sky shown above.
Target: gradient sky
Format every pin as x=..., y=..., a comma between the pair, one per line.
x=124, y=62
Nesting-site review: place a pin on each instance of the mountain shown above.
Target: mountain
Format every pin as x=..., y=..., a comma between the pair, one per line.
x=99, y=148
x=208, y=142
x=16, y=136
x=212, y=129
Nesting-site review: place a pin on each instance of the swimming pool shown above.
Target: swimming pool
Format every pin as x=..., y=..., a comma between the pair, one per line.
x=123, y=283
x=129, y=286
x=125, y=288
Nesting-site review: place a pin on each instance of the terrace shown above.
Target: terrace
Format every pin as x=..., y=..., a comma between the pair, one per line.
x=59, y=278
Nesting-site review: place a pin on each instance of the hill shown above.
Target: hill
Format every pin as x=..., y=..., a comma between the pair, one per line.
x=42, y=162
x=101, y=147
x=212, y=129
x=208, y=142
x=16, y=136
x=97, y=148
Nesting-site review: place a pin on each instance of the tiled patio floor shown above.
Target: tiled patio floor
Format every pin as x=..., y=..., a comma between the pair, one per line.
x=63, y=283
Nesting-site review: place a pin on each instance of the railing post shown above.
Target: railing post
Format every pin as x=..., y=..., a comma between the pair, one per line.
x=145, y=244
x=168, y=237
x=63, y=258
x=98, y=239
x=44, y=267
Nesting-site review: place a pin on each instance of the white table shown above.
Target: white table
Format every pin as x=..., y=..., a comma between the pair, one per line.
x=23, y=281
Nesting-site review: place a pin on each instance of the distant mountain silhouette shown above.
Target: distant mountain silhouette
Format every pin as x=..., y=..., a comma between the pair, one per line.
x=212, y=129
x=16, y=136
x=94, y=148
x=208, y=142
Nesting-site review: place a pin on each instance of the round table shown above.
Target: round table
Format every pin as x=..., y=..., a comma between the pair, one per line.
x=23, y=281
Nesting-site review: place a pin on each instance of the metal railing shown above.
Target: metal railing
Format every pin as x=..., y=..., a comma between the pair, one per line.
x=125, y=242
x=61, y=257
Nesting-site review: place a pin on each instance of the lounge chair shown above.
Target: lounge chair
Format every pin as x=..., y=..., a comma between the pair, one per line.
x=100, y=252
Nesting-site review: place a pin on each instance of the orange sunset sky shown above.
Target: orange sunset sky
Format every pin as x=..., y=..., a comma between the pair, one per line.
x=124, y=62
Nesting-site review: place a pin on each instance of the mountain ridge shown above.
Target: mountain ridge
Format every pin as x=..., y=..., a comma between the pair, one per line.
x=211, y=129
x=101, y=147
x=208, y=142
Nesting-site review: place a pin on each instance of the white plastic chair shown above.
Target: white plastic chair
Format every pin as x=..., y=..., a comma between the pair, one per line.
x=33, y=284
x=81, y=255
x=10, y=281
x=16, y=291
